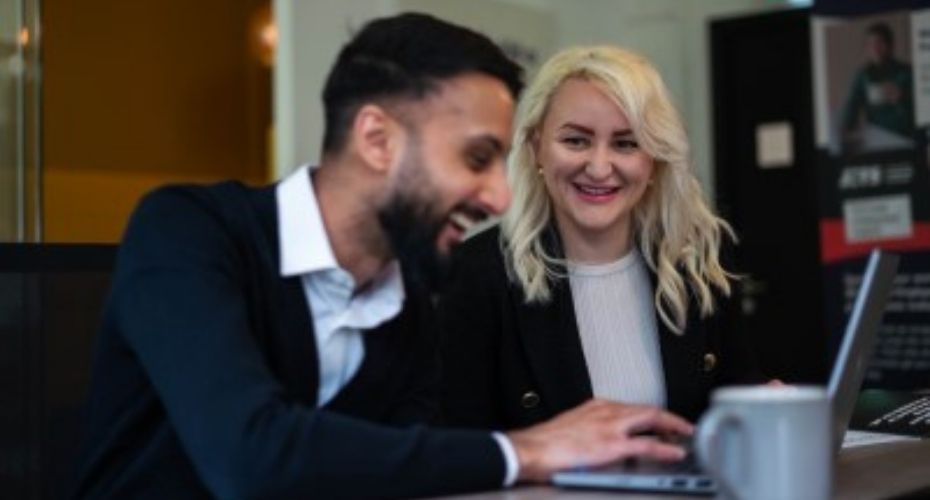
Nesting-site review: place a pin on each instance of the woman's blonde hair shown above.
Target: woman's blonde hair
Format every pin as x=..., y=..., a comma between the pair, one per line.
x=677, y=233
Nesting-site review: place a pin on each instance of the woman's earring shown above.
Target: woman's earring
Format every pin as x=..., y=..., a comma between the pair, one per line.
x=539, y=171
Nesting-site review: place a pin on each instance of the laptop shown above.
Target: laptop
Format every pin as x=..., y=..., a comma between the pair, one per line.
x=849, y=369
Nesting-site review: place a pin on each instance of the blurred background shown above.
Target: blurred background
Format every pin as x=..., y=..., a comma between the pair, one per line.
x=101, y=100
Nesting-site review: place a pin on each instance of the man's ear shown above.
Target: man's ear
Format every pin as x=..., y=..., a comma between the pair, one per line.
x=376, y=137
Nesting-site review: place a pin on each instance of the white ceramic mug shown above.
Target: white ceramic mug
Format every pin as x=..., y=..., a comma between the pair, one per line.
x=764, y=442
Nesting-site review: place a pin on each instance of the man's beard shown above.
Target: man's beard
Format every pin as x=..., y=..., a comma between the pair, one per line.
x=412, y=230
x=412, y=220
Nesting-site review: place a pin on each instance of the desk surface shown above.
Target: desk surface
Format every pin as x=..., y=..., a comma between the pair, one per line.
x=866, y=472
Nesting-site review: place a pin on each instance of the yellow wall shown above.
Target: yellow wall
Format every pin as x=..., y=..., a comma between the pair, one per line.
x=145, y=92
x=84, y=204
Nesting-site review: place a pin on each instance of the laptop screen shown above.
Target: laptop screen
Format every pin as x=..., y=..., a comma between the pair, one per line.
x=859, y=339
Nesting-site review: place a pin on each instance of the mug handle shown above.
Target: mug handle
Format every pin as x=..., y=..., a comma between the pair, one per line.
x=707, y=445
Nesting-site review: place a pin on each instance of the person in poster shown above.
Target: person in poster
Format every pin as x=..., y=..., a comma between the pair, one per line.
x=881, y=95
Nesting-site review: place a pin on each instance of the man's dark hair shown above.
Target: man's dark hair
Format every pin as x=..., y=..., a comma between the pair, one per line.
x=405, y=56
x=883, y=31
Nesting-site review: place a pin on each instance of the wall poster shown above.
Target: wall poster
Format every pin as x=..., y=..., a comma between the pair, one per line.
x=872, y=101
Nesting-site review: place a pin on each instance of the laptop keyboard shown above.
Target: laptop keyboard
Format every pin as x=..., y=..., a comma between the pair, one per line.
x=684, y=476
x=689, y=466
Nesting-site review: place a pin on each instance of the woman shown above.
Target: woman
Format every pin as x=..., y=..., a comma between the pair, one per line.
x=603, y=279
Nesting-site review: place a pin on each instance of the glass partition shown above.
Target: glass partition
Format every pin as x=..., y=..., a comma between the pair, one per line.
x=19, y=121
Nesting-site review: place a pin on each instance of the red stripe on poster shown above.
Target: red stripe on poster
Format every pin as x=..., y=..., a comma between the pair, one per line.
x=834, y=248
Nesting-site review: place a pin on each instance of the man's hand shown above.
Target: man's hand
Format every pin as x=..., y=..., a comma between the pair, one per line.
x=595, y=433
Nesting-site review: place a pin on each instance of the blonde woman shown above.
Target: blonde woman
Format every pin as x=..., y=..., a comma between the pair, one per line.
x=603, y=279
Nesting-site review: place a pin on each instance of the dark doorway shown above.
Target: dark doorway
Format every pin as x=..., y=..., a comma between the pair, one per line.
x=761, y=69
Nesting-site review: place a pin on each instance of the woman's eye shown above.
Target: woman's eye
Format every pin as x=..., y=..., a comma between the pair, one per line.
x=626, y=144
x=575, y=141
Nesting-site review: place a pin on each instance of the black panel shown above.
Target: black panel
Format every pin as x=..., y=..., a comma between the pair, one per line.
x=761, y=69
x=51, y=299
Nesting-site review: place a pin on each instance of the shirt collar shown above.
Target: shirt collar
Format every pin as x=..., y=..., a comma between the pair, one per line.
x=305, y=247
x=303, y=242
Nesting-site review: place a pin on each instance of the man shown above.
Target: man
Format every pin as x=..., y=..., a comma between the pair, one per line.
x=262, y=343
x=880, y=94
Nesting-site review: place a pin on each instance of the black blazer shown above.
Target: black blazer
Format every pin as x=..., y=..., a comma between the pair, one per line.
x=507, y=364
x=206, y=375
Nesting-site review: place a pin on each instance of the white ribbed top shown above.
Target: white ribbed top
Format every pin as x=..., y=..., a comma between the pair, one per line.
x=617, y=323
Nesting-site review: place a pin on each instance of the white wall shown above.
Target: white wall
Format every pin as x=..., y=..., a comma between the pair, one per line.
x=310, y=34
x=673, y=33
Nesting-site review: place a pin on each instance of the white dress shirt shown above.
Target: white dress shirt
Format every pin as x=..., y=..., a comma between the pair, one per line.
x=340, y=317
x=339, y=314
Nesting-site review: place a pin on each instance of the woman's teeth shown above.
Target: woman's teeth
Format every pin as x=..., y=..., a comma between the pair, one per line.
x=596, y=190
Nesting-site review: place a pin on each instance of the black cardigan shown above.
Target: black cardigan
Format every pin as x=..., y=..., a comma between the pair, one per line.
x=507, y=364
x=206, y=374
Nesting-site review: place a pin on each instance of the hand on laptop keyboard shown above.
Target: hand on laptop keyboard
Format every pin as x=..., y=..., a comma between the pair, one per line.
x=688, y=463
x=596, y=433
